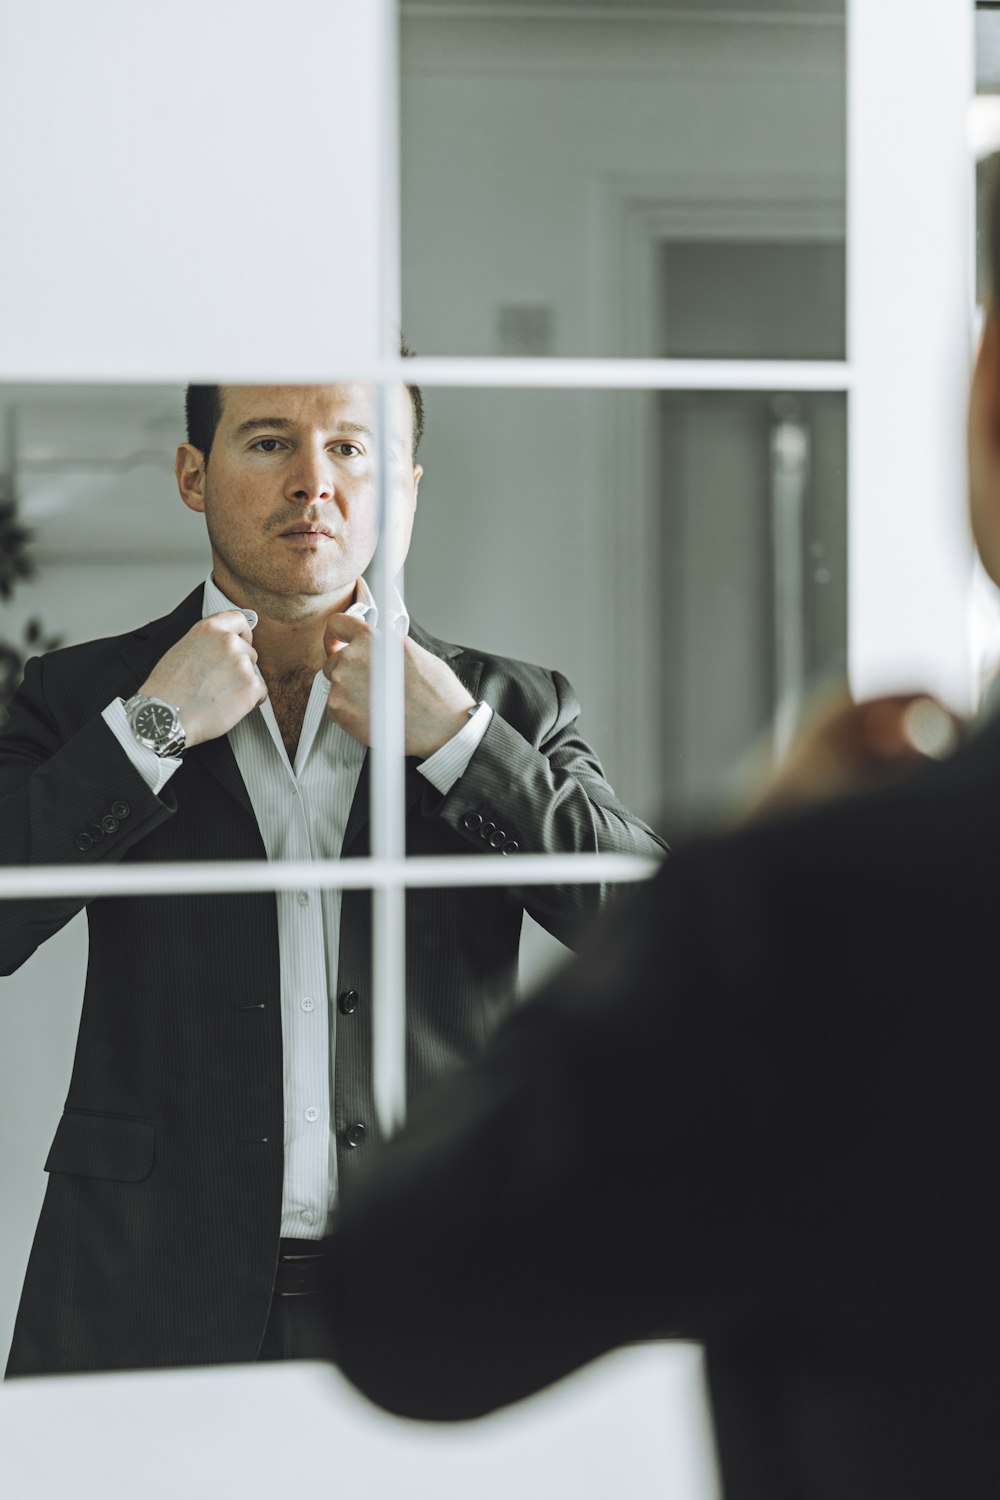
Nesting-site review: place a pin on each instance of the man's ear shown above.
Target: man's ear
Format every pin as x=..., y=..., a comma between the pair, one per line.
x=189, y=466
x=418, y=474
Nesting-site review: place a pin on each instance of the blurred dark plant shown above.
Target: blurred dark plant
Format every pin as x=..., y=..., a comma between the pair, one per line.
x=16, y=565
x=15, y=562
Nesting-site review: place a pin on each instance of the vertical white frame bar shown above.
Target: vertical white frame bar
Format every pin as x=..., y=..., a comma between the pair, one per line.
x=387, y=784
x=388, y=809
x=910, y=227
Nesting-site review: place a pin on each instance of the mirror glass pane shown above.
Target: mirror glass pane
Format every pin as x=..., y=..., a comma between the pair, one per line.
x=557, y=159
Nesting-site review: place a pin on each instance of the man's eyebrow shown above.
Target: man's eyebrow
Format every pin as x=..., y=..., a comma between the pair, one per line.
x=358, y=427
x=282, y=424
x=252, y=423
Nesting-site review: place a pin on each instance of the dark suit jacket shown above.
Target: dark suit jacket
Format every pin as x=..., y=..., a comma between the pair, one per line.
x=159, y=1233
x=762, y=1111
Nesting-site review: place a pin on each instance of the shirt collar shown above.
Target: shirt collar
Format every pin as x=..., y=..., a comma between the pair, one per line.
x=214, y=602
x=399, y=617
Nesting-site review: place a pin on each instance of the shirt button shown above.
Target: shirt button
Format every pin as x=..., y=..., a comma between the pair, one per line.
x=312, y=1113
x=308, y=1003
x=303, y=898
x=308, y=1215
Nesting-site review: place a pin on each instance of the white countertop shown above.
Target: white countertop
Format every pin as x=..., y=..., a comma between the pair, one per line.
x=631, y=1426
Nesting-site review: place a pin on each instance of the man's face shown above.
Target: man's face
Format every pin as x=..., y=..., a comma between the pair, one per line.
x=290, y=493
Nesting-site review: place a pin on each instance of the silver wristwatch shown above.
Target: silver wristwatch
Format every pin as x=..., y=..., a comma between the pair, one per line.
x=155, y=724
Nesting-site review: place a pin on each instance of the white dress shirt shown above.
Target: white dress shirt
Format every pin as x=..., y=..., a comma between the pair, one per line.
x=302, y=812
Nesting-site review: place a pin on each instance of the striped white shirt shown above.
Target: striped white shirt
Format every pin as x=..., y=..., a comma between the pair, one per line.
x=302, y=812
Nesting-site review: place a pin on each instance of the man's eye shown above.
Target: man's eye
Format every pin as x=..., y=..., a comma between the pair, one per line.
x=347, y=450
x=267, y=445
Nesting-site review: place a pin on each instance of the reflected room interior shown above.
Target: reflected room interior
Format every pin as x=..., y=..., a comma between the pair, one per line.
x=667, y=186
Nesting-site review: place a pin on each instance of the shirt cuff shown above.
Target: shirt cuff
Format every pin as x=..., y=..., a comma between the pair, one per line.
x=446, y=765
x=155, y=770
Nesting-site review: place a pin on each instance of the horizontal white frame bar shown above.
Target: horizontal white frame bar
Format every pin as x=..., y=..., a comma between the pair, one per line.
x=58, y=881
x=626, y=374
x=426, y=10
x=530, y=374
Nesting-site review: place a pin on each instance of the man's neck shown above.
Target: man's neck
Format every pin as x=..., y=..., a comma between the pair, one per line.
x=288, y=636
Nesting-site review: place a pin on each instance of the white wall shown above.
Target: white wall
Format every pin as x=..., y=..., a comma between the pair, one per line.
x=526, y=147
x=159, y=167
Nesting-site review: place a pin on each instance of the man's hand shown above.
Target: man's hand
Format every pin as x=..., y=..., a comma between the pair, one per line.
x=844, y=746
x=210, y=676
x=437, y=704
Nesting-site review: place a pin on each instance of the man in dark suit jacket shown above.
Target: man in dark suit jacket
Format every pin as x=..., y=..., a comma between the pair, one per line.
x=185, y=1152
x=762, y=1112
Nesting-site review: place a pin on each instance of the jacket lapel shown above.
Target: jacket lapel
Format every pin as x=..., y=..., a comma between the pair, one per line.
x=359, y=817
x=143, y=649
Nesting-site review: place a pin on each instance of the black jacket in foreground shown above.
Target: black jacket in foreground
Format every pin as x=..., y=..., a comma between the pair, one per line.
x=761, y=1111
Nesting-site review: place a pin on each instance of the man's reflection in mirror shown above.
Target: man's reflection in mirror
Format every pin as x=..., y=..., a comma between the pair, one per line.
x=221, y=1103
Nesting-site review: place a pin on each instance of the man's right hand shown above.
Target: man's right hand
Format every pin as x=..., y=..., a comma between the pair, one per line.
x=210, y=676
x=844, y=746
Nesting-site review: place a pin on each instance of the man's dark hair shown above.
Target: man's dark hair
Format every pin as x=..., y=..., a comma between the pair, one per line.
x=203, y=409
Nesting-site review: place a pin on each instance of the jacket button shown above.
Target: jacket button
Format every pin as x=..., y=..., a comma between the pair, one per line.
x=498, y=839
x=488, y=830
x=110, y=823
x=472, y=821
x=348, y=1002
x=355, y=1134
x=511, y=847
x=83, y=842
x=120, y=809
x=96, y=832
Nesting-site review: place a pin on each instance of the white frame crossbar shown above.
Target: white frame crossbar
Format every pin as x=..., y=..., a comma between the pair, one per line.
x=31, y=883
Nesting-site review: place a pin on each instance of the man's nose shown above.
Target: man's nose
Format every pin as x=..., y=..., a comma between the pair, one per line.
x=311, y=479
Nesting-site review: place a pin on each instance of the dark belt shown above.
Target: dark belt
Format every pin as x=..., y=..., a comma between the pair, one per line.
x=301, y=1268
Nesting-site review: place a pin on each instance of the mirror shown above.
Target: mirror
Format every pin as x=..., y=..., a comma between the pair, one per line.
x=663, y=183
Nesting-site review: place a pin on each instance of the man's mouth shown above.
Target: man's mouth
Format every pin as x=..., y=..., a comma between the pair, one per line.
x=318, y=533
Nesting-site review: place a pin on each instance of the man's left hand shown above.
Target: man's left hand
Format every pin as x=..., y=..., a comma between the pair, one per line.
x=437, y=704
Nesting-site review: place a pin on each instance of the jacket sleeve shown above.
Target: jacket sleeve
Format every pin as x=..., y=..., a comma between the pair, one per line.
x=534, y=786
x=69, y=795
x=758, y=1111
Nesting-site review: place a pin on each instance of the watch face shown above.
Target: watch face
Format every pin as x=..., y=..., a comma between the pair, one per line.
x=154, y=721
